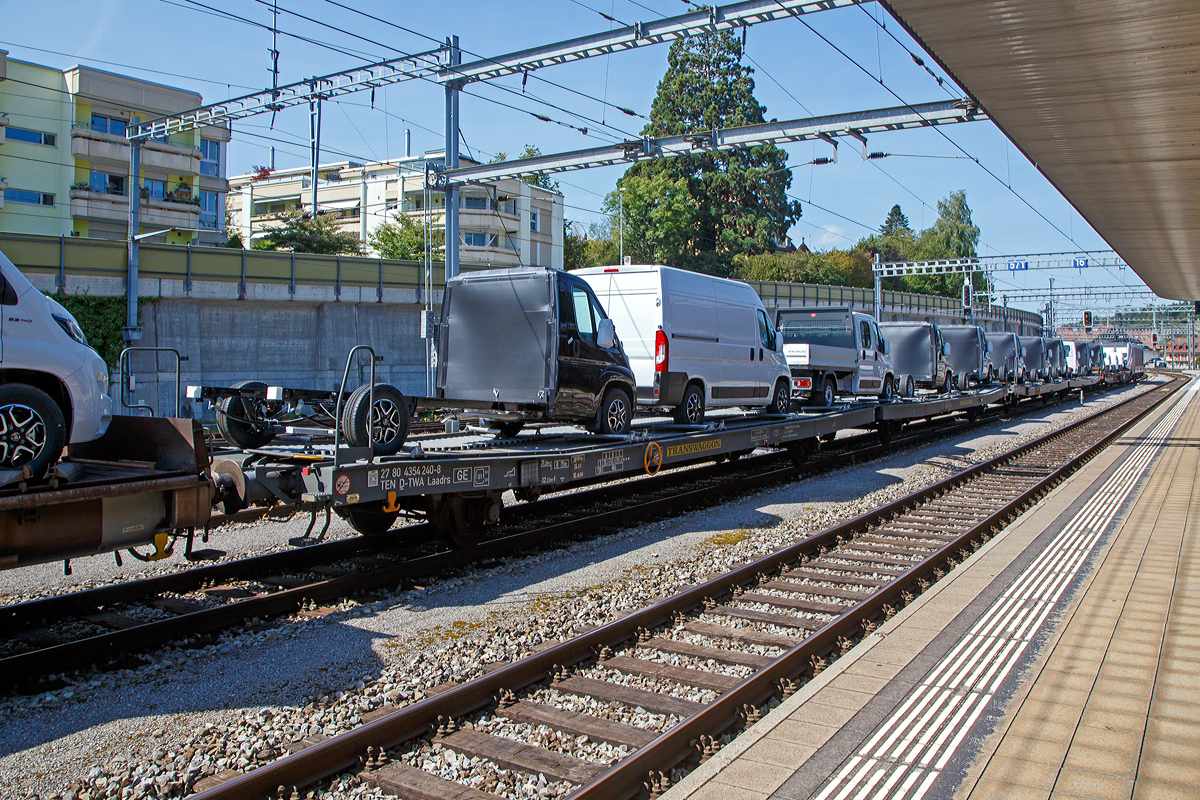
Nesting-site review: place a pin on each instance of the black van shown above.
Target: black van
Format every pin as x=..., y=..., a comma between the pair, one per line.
x=532, y=344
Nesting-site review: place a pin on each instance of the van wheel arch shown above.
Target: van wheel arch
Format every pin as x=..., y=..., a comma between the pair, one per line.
x=51, y=385
x=681, y=414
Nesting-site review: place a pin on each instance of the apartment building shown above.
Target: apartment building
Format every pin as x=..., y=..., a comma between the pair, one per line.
x=64, y=159
x=501, y=224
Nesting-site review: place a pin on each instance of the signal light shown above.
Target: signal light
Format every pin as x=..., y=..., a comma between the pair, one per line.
x=1087, y=320
x=660, y=351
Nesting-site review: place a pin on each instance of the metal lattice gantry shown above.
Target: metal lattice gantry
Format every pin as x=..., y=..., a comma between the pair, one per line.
x=1039, y=261
x=370, y=76
x=437, y=64
x=857, y=125
x=716, y=18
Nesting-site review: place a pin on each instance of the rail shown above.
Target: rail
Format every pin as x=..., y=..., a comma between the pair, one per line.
x=911, y=554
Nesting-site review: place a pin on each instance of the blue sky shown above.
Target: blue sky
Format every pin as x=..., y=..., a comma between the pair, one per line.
x=797, y=75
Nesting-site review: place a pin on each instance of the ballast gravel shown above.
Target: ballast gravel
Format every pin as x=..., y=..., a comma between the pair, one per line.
x=155, y=730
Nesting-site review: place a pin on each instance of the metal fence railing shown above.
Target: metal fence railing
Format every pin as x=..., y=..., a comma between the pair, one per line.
x=67, y=255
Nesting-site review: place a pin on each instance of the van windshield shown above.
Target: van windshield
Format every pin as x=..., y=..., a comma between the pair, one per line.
x=830, y=328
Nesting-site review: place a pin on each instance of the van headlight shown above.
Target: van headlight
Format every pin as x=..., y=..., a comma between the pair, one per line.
x=71, y=328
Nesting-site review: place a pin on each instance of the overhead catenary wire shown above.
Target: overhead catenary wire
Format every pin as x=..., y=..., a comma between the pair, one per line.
x=627, y=111
x=127, y=66
x=936, y=128
x=377, y=43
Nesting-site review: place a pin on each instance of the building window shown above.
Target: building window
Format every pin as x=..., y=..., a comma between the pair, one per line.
x=102, y=124
x=154, y=190
x=210, y=157
x=479, y=240
x=208, y=210
x=28, y=198
x=534, y=221
x=475, y=202
x=31, y=137
x=105, y=183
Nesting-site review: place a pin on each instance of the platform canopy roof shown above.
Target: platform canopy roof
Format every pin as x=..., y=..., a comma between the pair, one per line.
x=1103, y=96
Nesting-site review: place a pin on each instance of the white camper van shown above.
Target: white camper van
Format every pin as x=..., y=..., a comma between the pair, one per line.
x=693, y=341
x=55, y=388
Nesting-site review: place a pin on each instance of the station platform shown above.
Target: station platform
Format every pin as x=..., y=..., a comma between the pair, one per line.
x=1061, y=660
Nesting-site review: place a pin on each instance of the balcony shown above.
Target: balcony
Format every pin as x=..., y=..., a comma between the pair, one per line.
x=3, y=125
x=494, y=256
x=110, y=150
x=3, y=184
x=100, y=207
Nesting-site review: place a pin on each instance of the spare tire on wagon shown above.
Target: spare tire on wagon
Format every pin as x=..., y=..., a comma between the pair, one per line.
x=382, y=428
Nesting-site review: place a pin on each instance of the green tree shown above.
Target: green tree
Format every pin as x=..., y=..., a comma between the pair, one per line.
x=530, y=151
x=659, y=216
x=404, y=239
x=896, y=223
x=577, y=251
x=953, y=234
x=834, y=267
x=741, y=195
x=305, y=233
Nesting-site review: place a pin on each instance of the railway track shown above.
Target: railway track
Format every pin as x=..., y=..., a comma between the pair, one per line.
x=613, y=711
x=109, y=625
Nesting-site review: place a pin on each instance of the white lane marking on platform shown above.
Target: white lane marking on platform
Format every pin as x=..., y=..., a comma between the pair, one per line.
x=922, y=734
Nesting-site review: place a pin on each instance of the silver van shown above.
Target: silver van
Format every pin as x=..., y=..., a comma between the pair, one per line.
x=833, y=351
x=55, y=387
x=694, y=341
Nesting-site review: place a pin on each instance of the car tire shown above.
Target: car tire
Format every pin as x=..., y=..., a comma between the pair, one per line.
x=828, y=393
x=616, y=412
x=388, y=422
x=781, y=398
x=32, y=430
x=910, y=388
x=888, y=392
x=236, y=422
x=691, y=407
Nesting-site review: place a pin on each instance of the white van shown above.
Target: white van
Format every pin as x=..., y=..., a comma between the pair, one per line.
x=693, y=341
x=53, y=387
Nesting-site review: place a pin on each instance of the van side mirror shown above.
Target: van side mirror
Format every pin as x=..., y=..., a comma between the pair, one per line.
x=606, y=334
x=989, y=347
x=885, y=346
x=946, y=349
x=1022, y=352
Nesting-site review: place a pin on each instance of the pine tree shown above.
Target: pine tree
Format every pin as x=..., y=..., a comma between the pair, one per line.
x=895, y=223
x=741, y=199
